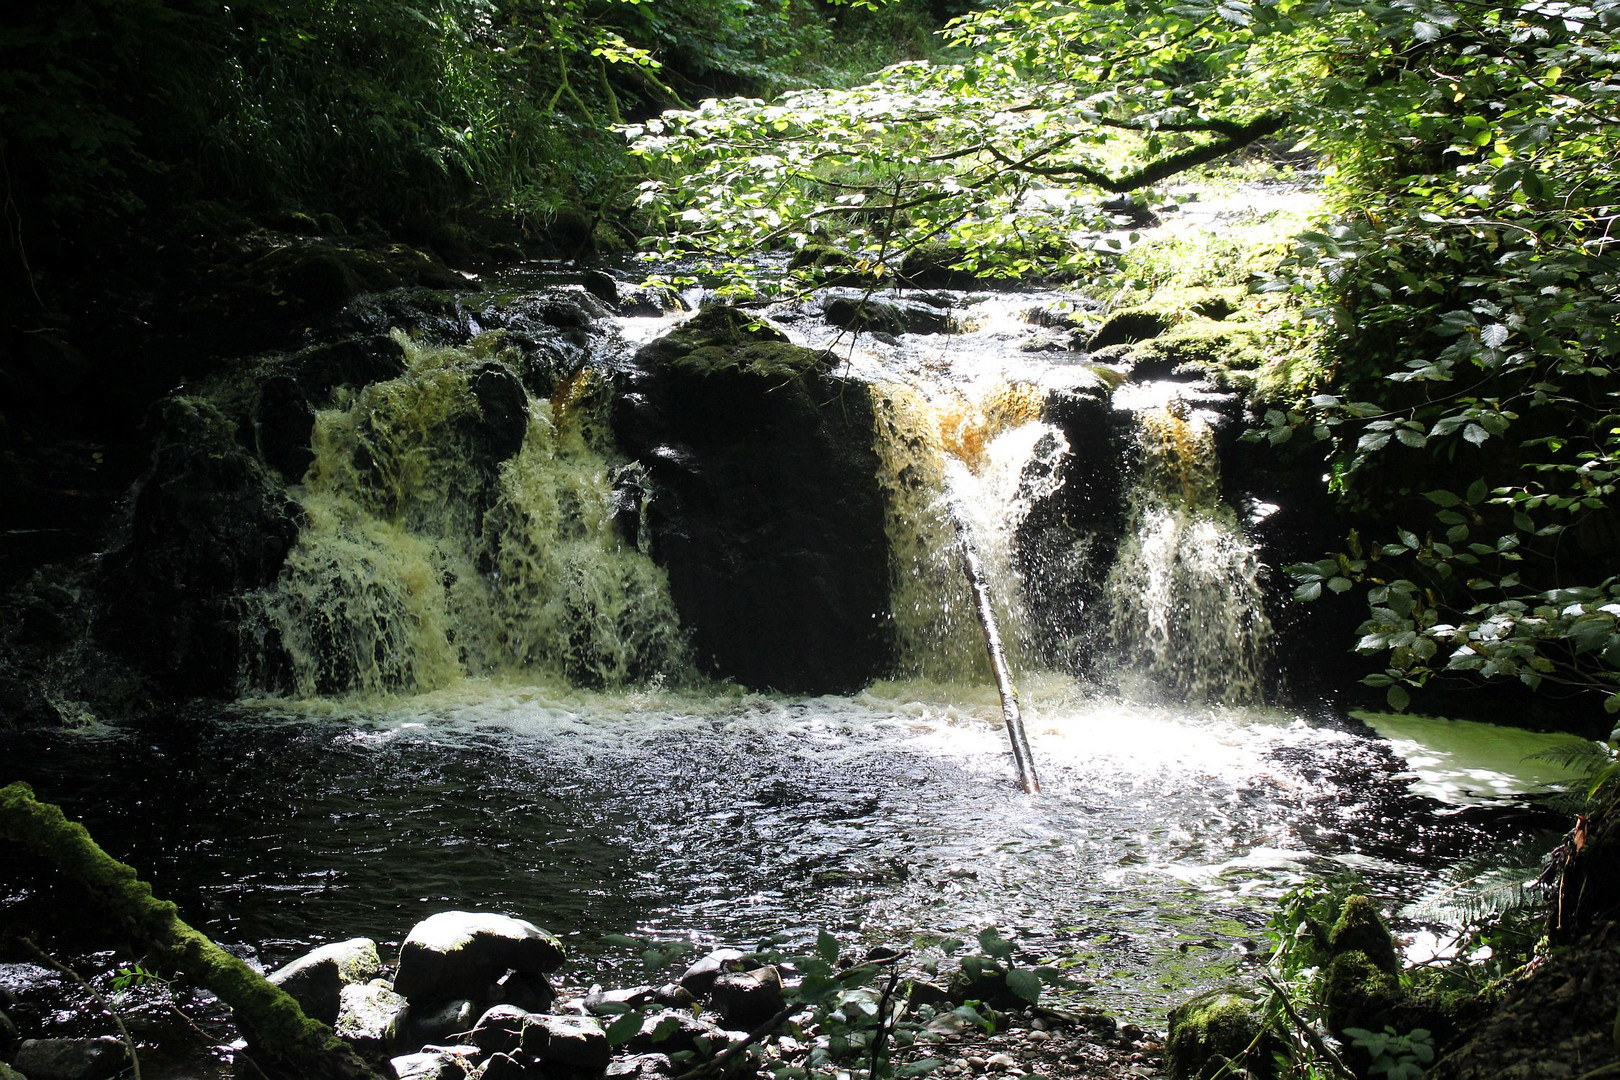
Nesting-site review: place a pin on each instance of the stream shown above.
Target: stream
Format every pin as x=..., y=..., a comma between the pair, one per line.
x=1145, y=869
x=411, y=740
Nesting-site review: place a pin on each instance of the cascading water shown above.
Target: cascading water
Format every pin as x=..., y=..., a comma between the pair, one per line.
x=1187, y=608
x=422, y=561
x=511, y=722
x=966, y=458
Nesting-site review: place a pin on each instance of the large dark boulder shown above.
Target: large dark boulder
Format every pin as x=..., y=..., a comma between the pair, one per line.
x=210, y=523
x=765, y=508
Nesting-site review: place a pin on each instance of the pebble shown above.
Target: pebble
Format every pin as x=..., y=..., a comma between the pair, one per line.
x=1001, y=1061
x=976, y=1061
x=1038, y=1024
x=1039, y=1036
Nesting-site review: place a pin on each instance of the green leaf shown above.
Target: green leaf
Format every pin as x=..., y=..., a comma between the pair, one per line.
x=1397, y=697
x=827, y=947
x=1025, y=983
x=993, y=944
x=625, y=1028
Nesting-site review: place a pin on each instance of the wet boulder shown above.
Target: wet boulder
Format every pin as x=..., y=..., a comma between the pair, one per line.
x=427, y=1065
x=463, y=953
x=72, y=1059
x=612, y=1002
x=699, y=977
x=859, y=312
x=765, y=510
x=746, y=999
x=371, y=1018
x=530, y=992
x=649, y=302
x=497, y=430
x=316, y=979
x=1068, y=539
x=577, y=1042
x=500, y=1029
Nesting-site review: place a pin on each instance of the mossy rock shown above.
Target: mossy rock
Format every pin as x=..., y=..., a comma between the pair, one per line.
x=821, y=257
x=724, y=340
x=1130, y=326
x=1359, y=929
x=1224, y=352
x=1218, y=1030
x=1358, y=994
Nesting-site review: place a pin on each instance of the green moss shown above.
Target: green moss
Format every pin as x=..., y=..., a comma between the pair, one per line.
x=279, y=1027
x=771, y=360
x=1214, y=1029
x=1207, y=346
x=1356, y=993
x=1359, y=929
x=727, y=339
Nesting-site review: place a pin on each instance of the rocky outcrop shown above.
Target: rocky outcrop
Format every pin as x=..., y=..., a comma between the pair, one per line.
x=765, y=507
x=1067, y=541
x=210, y=523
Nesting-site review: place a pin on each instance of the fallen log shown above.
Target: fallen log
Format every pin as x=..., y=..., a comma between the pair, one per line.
x=281, y=1036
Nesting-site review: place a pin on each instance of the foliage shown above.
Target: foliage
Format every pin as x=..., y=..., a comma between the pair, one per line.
x=1399, y=1057
x=846, y=1016
x=1473, y=302
x=381, y=113
x=1599, y=764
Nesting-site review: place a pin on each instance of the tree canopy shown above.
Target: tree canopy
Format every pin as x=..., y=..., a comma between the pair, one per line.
x=1465, y=285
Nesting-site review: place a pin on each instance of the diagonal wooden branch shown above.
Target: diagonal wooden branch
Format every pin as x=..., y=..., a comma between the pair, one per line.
x=1234, y=137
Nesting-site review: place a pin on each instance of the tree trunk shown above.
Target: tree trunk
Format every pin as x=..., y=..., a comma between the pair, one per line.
x=269, y=1018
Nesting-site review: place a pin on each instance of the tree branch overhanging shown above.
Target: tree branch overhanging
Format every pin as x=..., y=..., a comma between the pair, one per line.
x=1234, y=137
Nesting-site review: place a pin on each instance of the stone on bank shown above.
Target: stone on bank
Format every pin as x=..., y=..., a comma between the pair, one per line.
x=462, y=954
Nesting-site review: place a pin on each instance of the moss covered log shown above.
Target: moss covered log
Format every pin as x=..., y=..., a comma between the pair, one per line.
x=272, y=1020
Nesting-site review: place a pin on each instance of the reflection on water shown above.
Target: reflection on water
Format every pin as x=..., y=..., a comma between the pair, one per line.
x=726, y=818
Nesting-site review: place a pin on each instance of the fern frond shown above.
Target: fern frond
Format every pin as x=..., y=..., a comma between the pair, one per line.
x=1493, y=892
x=1587, y=756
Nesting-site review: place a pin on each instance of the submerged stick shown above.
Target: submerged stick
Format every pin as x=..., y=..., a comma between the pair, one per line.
x=1022, y=759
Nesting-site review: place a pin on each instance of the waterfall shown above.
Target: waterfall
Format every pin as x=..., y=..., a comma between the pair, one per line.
x=1179, y=610
x=965, y=457
x=424, y=557
x=1184, y=596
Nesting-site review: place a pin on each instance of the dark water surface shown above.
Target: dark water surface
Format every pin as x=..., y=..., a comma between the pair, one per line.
x=1146, y=866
